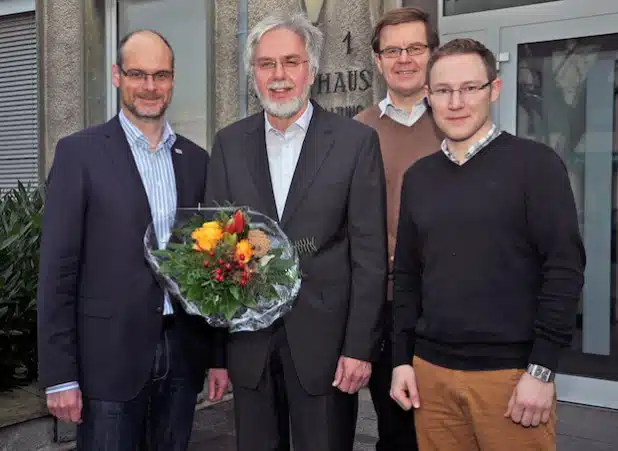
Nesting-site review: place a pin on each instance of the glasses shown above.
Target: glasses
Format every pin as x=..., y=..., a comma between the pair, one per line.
x=136, y=75
x=395, y=52
x=271, y=65
x=465, y=91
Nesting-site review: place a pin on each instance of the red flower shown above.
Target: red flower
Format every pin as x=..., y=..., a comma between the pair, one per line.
x=236, y=223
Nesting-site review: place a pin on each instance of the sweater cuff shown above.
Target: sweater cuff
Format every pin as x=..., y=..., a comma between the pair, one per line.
x=545, y=353
x=403, y=351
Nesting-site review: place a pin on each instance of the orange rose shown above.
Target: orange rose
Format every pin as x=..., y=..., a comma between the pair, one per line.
x=207, y=236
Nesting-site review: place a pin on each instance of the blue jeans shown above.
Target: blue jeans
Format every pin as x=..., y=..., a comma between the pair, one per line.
x=159, y=418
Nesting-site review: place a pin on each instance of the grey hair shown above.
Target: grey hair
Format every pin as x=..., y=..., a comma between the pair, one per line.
x=297, y=23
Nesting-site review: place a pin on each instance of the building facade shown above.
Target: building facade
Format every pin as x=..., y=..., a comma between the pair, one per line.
x=557, y=58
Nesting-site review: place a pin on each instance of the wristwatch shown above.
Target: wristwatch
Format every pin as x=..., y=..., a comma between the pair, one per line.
x=541, y=373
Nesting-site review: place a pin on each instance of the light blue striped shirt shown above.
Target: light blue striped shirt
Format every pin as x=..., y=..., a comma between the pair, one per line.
x=157, y=173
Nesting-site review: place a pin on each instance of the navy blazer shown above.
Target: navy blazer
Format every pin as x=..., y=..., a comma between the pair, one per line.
x=99, y=304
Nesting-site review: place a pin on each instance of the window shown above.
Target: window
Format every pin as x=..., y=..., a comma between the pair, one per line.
x=19, y=145
x=454, y=7
x=187, y=25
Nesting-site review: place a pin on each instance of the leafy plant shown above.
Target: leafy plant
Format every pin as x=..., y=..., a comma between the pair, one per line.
x=21, y=212
x=225, y=265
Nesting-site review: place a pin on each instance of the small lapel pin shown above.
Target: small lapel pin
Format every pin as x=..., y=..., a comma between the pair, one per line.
x=178, y=151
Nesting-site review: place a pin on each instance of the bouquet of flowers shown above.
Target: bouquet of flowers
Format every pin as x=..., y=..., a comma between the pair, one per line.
x=233, y=266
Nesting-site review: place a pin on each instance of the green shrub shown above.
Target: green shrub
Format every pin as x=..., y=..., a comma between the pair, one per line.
x=21, y=212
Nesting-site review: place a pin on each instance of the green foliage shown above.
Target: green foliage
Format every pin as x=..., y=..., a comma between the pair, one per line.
x=196, y=272
x=21, y=211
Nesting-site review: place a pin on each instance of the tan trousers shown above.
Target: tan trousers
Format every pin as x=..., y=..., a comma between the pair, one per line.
x=464, y=411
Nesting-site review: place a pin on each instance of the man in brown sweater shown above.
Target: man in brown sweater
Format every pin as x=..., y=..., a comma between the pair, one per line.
x=402, y=42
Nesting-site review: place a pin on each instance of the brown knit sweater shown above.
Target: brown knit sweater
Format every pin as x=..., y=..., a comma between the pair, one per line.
x=401, y=147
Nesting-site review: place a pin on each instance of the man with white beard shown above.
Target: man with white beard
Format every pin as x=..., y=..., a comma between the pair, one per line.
x=316, y=173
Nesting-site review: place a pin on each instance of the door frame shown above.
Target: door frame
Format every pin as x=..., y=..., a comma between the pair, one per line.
x=512, y=36
x=570, y=388
x=499, y=29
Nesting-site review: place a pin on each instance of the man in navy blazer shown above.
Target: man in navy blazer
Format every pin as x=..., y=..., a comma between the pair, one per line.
x=116, y=355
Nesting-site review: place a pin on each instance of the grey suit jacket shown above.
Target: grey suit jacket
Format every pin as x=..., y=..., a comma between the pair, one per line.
x=337, y=198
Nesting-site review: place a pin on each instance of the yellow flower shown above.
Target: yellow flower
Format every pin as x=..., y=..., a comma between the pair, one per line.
x=244, y=251
x=208, y=235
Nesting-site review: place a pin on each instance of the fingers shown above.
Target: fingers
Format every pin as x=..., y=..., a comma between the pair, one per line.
x=526, y=418
x=75, y=414
x=536, y=418
x=517, y=412
x=405, y=393
x=356, y=382
x=338, y=373
x=212, y=388
x=66, y=406
x=413, y=394
x=401, y=397
x=354, y=376
x=509, y=407
x=545, y=416
x=221, y=387
x=359, y=379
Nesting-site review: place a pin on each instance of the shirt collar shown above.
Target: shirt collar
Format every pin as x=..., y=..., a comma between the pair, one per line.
x=303, y=121
x=134, y=134
x=387, y=102
x=475, y=148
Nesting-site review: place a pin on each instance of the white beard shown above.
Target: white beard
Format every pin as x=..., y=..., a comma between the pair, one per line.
x=283, y=110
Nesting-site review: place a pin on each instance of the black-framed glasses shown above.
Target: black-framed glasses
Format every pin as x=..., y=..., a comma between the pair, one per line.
x=464, y=91
x=162, y=76
x=395, y=52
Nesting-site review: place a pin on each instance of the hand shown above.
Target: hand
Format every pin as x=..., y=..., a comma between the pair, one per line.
x=352, y=374
x=531, y=401
x=66, y=405
x=403, y=387
x=218, y=382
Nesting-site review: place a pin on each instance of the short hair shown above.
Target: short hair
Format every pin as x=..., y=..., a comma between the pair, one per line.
x=297, y=23
x=125, y=39
x=465, y=46
x=400, y=16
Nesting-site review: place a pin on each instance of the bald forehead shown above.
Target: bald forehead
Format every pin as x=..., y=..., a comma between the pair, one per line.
x=147, y=48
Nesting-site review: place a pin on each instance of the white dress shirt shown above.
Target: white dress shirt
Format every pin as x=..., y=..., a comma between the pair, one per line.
x=283, y=149
x=402, y=116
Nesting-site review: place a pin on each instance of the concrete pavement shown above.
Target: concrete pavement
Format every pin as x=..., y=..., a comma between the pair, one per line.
x=580, y=428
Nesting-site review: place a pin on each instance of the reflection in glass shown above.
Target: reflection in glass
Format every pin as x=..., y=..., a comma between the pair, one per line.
x=184, y=24
x=453, y=7
x=566, y=98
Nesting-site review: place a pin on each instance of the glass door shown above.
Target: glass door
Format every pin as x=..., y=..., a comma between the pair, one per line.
x=560, y=84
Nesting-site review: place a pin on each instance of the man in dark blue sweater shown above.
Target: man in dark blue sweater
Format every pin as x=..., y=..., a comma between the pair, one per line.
x=489, y=268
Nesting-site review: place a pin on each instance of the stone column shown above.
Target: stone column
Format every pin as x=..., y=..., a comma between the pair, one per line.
x=61, y=81
x=95, y=72
x=226, y=67
x=72, y=69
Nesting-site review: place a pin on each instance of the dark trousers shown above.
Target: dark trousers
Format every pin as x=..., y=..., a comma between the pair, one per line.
x=318, y=422
x=396, y=430
x=159, y=418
